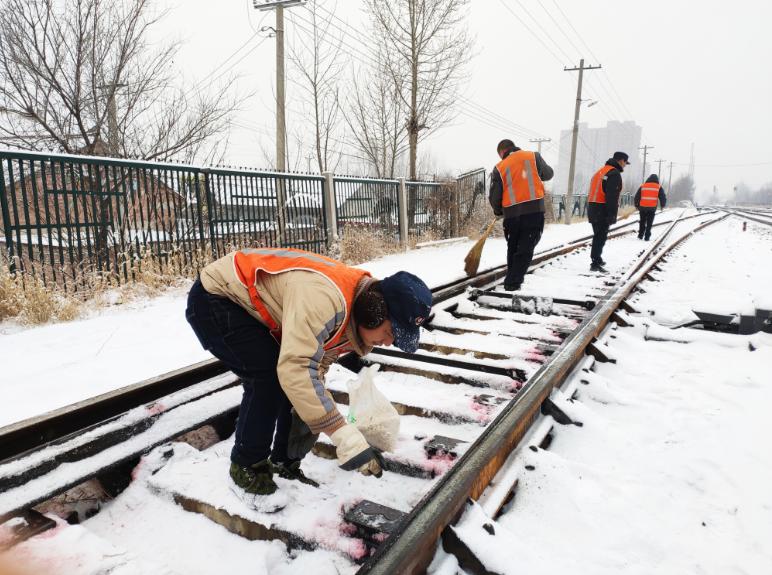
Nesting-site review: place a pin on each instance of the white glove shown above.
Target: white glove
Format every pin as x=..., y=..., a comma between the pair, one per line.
x=354, y=453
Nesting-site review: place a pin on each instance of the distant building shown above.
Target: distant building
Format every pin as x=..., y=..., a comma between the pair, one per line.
x=593, y=147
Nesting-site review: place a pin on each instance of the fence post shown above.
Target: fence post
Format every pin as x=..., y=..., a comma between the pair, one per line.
x=330, y=211
x=4, y=195
x=403, y=224
x=455, y=207
x=210, y=213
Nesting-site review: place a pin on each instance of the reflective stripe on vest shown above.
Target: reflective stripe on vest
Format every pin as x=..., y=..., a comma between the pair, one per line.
x=520, y=179
x=649, y=195
x=249, y=262
x=597, y=195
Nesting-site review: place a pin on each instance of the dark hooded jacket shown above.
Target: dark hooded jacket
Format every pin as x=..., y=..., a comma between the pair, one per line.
x=662, y=198
x=612, y=187
x=497, y=190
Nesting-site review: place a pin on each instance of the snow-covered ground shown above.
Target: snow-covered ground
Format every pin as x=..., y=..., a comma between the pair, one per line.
x=667, y=474
x=51, y=366
x=670, y=472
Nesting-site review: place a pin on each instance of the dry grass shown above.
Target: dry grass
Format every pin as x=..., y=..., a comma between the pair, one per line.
x=361, y=244
x=25, y=299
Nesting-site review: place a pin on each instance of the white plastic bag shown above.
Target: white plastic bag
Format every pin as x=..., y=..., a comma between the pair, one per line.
x=371, y=412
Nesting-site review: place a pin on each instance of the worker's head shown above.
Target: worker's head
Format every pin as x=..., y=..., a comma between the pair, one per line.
x=621, y=158
x=504, y=147
x=391, y=311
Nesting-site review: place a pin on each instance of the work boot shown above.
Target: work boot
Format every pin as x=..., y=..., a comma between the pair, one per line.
x=255, y=486
x=511, y=287
x=291, y=470
x=596, y=267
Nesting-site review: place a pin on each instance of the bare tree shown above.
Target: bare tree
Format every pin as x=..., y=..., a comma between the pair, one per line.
x=82, y=75
x=426, y=49
x=375, y=117
x=320, y=65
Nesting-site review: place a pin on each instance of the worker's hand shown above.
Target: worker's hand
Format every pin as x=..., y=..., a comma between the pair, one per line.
x=354, y=453
x=300, y=440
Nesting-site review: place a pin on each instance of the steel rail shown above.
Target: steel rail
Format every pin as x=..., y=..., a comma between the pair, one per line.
x=411, y=548
x=744, y=214
x=61, y=426
x=36, y=432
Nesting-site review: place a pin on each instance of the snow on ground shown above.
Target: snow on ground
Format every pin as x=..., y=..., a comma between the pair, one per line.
x=55, y=365
x=670, y=472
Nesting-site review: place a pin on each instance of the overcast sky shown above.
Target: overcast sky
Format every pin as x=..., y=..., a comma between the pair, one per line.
x=687, y=72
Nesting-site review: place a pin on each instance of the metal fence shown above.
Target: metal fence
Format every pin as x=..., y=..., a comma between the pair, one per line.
x=69, y=219
x=579, y=207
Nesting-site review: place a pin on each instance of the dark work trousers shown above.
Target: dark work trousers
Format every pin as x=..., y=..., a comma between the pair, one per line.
x=522, y=234
x=247, y=348
x=599, y=235
x=646, y=219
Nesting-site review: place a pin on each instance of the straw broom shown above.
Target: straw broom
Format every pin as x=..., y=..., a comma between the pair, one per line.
x=472, y=259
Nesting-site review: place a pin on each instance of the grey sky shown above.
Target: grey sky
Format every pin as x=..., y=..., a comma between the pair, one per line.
x=684, y=71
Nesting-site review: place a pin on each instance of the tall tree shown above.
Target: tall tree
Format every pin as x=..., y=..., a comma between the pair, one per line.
x=375, y=117
x=426, y=51
x=80, y=76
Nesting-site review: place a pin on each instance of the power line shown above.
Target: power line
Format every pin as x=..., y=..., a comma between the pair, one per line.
x=470, y=109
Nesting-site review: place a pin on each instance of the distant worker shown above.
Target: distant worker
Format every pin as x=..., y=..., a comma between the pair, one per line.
x=603, y=203
x=517, y=193
x=277, y=318
x=647, y=197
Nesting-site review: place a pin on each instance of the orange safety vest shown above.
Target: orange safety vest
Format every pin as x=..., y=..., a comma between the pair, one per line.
x=520, y=179
x=649, y=195
x=250, y=261
x=597, y=195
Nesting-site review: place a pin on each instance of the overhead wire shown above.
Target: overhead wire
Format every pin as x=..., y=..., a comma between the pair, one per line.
x=470, y=108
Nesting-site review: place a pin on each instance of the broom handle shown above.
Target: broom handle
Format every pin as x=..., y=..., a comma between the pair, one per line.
x=490, y=227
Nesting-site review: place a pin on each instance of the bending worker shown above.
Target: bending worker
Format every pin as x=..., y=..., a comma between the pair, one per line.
x=278, y=318
x=517, y=193
x=647, y=197
x=603, y=203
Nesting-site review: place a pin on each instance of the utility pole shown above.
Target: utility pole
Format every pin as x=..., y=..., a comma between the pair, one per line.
x=281, y=124
x=670, y=177
x=539, y=141
x=113, y=137
x=659, y=168
x=570, y=191
x=645, y=152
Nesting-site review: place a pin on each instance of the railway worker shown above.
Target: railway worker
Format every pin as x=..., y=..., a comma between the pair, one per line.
x=649, y=194
x=278, y=318
x=517, y=193
x=603, y=203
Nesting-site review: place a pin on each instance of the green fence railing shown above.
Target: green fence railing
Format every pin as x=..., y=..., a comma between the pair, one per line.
x=69, y=219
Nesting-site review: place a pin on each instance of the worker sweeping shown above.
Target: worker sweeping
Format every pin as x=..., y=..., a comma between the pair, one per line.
x=517, y=193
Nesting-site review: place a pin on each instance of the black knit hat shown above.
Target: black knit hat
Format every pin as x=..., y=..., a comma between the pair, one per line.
x=621, y=156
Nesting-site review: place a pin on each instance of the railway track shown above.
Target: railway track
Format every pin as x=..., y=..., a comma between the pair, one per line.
x=480, y=379
x=758, y=216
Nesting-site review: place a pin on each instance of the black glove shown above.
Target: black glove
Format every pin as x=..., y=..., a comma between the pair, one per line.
x=301, y=440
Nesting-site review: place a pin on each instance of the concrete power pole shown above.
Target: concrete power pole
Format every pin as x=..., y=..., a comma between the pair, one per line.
x=539, y=141
x=670, y=177
x=113, y=137
x=281, y=124
x=659, y=169
x=645, y=152
x=570, y=190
